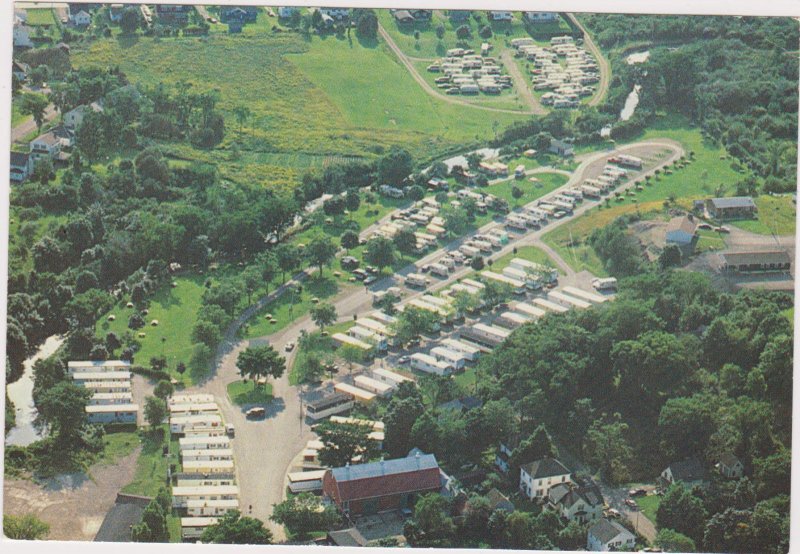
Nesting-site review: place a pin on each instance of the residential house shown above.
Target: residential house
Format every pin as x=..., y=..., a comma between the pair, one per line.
x=81, y=19
x=115, y=12
x=403, y=17
x=562, y=148
x=45, y=146
x=537, y=478
x=74, y=118
x=381, y=486
x=177, y=14
x=499, y=501
x=690, y=472
x=576, y=503
x=502, y=459
x=422, y=15
x=336, y=13
x=20, y=70
x=756, y=261
x=20, y=16
x=730, y=466
x=285, y=12
x=22, y=36
x=608, y=536
x=463, y=404
x=541, y=17
x=459, y=16
x=20, y=167
x=241, y=14
x=500, y=16
x=681, y=231
x=736, y=207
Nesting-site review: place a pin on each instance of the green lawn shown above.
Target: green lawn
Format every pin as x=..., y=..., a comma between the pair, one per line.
x=118, y=444
x=40, y=16
x=649, y=506
x=244, y=393
x=151, y=466
x=17, y=117
x=776, y=215
x=532, y=190
x=176, y=311
x=708, y=241
x=530, y=253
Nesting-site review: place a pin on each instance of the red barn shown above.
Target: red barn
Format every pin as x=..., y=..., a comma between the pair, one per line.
x=381, y=486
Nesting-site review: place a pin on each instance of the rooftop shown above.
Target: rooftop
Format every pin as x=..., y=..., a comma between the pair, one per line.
x=683, y=223
x=385, y=467
x=546, y=467
x=733, y=202
x=757, y=257
x=125, y=512
x=347, y=537
x=605, y=530
x=688, y=470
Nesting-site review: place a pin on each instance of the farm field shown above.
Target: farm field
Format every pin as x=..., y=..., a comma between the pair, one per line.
x=40, y=16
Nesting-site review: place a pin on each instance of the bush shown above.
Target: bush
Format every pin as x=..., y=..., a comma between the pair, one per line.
x=150, y=373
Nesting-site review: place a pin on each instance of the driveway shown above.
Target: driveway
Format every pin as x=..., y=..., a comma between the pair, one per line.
x=25, y=128
x=520, y=83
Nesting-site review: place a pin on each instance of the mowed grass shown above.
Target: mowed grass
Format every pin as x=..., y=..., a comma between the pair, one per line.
x=531, y=190
x=530, y=253
x=151, y=466
x=17, y=117
x=244, y=393
x=116, y=445
x=776, y=215
x=40, y=16
x=176, y=312
x=649, y=506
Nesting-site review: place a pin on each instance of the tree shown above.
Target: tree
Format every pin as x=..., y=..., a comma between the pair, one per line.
x=43, y=171
x=288, y=258
x=412, y=323
x=440, y=31
x=380, y=252
x=34, y=105
x=672, y=541
x=386, y=303
x=670, y=256
x=163, y=390
x=607, y=448
x=537, y=446
x=395, y=166
x=477, y=263
x=344, y=442
x=405, y=241
x=683, y=512
x=349, y=239
x=260, y=361
x=366, y=24
x=304, y=514
x=323, y=314
x=351, y=355
x=206, y=332
x=61, y=411
x=463, y=32
x=495, y=293
x=352, y=201
x=415, y=193
x=320, y=251
x=456, y=219
x=399, y=420
x=432, y=526
x=234, y=528
x=242, y=115
x=155, y=410
x=252, y=279
x=516, y=192
x=485, y=32
x=26, y=527
x=129, y=21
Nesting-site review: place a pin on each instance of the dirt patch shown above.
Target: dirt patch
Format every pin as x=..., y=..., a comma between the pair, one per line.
x=74, y=505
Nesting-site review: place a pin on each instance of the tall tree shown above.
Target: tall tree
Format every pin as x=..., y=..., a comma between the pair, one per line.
x=155, y=410
x=380, y=252
x=323, y=314
x=344, y=442
x=260, y=361
x=62, y=411
x=34, y=105
x=320, y=251
x=234, y=528
x=304, y=514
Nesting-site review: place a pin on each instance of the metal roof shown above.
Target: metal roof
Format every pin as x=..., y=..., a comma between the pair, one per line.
x=733, y=202
x=385, y=467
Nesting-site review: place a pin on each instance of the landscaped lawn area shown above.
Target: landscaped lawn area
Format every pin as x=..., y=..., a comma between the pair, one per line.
x=530, y=253
x=244, y=393
x=40, y=16
x=176, y=311
x=649, y=506
x=776, y=215
x=708, y=240
x=151, y=466
x=531, y=190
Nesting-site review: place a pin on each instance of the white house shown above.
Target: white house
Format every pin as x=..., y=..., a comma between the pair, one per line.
x=112, y=413
x=21, y=166
x=501, y=16
x=115, y=12
x=541, y=17
x=730, y=466
x=537, y=478
x=336, y=13
x=82, y=19
x=429, y=364
x=581, y=504
x=605, y=536
x=74, y=118
x=22, y=36
x=681, y=230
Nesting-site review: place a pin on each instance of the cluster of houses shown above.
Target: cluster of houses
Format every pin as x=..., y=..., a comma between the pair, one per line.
x=110, y=384
x=566, y=82
x=465, y=72
x=205, y=487
x=423, y=218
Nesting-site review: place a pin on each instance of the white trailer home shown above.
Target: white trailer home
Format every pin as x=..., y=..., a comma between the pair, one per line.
x=179, y=424
x=368, y=336
x=83, y=377
x=358, y=394
x=471, y=353
x=190, y=399
x=444, y=354
x=340, y=339
x=181, y=495
x=219, y=466
x=373, y=424
x=110, y=398
x=383, y=318
x=490, y=333
x=306, y=481
x=205, y=432
x=112, y=413
x=532, y=281
x=372, y=385
x=529, y=310
x=511, y=320
x=210, y=508
x=606, y=283
x=204, y=455
x=585, y=295
x=517, y=287
x=569, y=300
x=591, y=192
x=439, y=270
x=550, y=306
x=204, y=443
x=483, y=245
x=389, y=377
x=107, y=386
x=329, y=405
x=548, y=274
x=516, y=223
x=192, y=527
x=429, y=364
x=194, y=409
x=470, y=251
x=416, y=280
x=440, y=312
x=98, y=366
x=200, y=480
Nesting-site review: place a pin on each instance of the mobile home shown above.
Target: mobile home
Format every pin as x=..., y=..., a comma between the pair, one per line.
x=511, y=320
x=190, y=399
x=529, y=310
x=110, y=398
x=548, y=274
x=606, y=283
x=439, y=270
x=485, y=334
x=457, y=359
x=204, y=443
x=416, y=280
x=429, y=364
x=389, y=377
x=340, y=339
x=206, y=455
x=359, y=395
x=329, y=405
x=98, y=366
x=219, y=466
x=112, y=413
x=373, y=385
x=567, y=299
x=473, y=283
x=550, y=306
x=306, y=481
x=369, y=337
x=179, y=424
x=585, y=295
x=193, y=409
x=518, y=287
x=470, y=352
x=181, y=495
x=210, y=508
x=192, y=527
x=531, y=281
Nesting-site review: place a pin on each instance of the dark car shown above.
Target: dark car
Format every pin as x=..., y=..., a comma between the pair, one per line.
x=254, y=413
x=369, y=280
x=637, y=492
x=631, y=504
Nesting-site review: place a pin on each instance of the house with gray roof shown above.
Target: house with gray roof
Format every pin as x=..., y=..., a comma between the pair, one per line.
x=730, y=466
x=537, y=478
x=608, y=536
x=735, y=207
x=681, y=231
x=20, y=167
x=756, y=261
x=576, y=503
x=690, y=472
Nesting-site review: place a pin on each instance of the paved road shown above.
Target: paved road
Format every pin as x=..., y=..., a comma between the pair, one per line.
x=432, y=91
x=602, y=63
x=521, y=84
x=24, y=129
x=264, y=450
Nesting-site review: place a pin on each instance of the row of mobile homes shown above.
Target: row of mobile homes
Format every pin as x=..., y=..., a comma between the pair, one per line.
x=210, y=508
x=329, y=405
x=529, y=310
x=627, y=161
x=585, y=295
x=512, y=320
x=550, y=306
x=376, y=340
x=517, y=287
x=190, y=399
x=205, y=455
x=180, y=423
x=109, y=381
x=192, y=527
x=358, y=394
x=486, y=334
x=389, y=377
x=532, y=281
x=591, y=192
x=471, y=353
x=110, y=398
x=373, y=385
x=204, y=443
x=181, y=495
x=442, y=354
x=98, y=366
x=429, y=364
x=569, y=300
x=194, y=408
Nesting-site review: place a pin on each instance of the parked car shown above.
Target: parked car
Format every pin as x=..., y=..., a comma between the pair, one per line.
x=403, y=360
x=230, y=430
x=611, y=512
x=637, y=492
x=369, y=280
x=349, y=262
x=289, y=346
x=723, y=229
x=254, y=413
x=360, y=274
x=631, y=504
x=705, y=226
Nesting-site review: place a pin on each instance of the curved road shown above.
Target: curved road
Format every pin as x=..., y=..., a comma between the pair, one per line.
x=264, y=450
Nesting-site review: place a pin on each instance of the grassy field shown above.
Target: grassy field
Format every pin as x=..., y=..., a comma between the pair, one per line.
x=708, y=241
x=40, y=16
x=118, y=444
x=243, y=393
x=530, y=253
x=176, y=310
x=17, y=118
x=151, y=466
x=544, y=184
x=698, y=179
x=649, y=506
x=776, y=215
